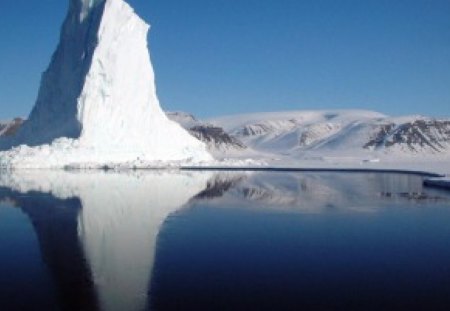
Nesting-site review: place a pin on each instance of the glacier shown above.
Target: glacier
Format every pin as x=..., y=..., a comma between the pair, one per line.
x=97, y=104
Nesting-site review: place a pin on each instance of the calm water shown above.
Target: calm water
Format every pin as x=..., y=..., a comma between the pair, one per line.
x=222, y=241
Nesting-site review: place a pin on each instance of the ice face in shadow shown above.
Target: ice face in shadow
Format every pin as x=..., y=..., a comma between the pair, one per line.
x=99, y=230
x=86, y=7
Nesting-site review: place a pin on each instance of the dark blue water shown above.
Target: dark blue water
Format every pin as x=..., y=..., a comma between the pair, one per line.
x=223, y=241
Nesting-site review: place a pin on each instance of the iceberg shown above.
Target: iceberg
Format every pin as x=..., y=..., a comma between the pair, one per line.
x=97, y=104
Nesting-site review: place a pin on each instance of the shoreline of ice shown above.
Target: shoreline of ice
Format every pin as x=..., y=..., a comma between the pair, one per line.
x=431, y=169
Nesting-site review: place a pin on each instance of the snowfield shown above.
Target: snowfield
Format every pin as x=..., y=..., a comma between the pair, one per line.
x=338, y=131
x=345, y=139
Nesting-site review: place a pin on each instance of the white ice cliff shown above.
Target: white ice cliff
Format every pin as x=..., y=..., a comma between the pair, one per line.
x=97, y=103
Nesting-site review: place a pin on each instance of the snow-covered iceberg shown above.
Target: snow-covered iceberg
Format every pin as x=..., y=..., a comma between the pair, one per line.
x=97, y=103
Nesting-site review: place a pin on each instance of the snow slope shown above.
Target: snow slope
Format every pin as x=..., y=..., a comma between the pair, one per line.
x=186, y=120
x=97, y=103
x=282, y=132
x=341, y=132
x=219, y=142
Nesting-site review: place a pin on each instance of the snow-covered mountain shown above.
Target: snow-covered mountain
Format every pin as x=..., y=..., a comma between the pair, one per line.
x=283, y=132
x=186, y=120
x=218, y=141
x=340, y=132
x=416, y=135
x=97, y=100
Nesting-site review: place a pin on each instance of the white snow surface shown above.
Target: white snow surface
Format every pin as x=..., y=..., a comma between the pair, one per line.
x=284, y=132
x=97, y=104
x=338, y=132
x=283, y=119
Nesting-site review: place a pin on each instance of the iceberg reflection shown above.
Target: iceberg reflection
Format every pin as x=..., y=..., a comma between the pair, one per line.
x=98, y=230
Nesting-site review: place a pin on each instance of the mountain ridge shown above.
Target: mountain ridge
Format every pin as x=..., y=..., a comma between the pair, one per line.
x=319, y=133
x=328, y=131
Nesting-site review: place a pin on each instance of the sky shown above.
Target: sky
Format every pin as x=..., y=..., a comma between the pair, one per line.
x=220, y=57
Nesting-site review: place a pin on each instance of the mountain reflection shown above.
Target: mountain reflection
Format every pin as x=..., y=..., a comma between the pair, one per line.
x=98, y=231
x=317, y=192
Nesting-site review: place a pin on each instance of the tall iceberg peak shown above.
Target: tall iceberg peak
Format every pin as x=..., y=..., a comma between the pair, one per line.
x=97, y=102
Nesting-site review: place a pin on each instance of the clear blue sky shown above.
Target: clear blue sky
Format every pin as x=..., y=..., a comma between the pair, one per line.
x=215, y=57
